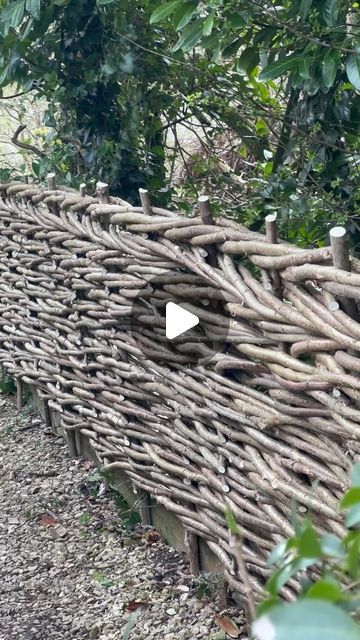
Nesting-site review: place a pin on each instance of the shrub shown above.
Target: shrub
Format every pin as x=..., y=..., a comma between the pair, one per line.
x=327, y=568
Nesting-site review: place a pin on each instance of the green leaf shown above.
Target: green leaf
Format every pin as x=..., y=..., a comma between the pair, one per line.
x=164, y=11
x=4, y=74
x=304, y=9
x=13, y=14
x=325, y=590
x=281, y=577
x=190, y=36
x=331, y=546
x=231, y=49
x=353, y=558
x=265, y=36
x=331, y=12
x=208, y=24
x=278, y=553
x=211, y=43
x=33, y=7
x=131, y=622
x=261, y=127
x=102, y=2
x=231, y=522
x=248, y=60
x=306, y=619
x=276, y=69
x=305, y=67
x=353, y=516
x=266, y=605
x=309, y=545
x=28, y=27
x=329, y=69
x=183, y=15
x=351, y=497
x=237, y=20
x=355, y=469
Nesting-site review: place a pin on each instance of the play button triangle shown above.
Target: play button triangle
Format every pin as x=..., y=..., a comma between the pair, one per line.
x=178, y=320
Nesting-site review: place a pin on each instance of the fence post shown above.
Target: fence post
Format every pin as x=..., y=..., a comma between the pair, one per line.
x=47, y=415
x=19, y=393
x=341, y=260
x=207, y=219
x=71, y=442
x=272, y=237
x=102, y=191
x=275, y=280
x=145, y=201
x=51, y=181
x=193, y=552
x=144, y=497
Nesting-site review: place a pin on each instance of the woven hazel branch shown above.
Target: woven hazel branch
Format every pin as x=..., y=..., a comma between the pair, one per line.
x=271, y=402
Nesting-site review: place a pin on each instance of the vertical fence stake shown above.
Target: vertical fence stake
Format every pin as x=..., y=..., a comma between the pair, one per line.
x=51, y=181
x=145, y=201
x=82, y=189
x=47, y=415
x=102, y=191
x=275, y=280
x=71, y=442
x=51, y=184
x=341, y=260
x=207, y=219
x=19, y=394
x=192, y=543
x=272, y=237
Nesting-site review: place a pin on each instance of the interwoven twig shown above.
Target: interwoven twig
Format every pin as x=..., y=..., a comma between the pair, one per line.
x=249, y=426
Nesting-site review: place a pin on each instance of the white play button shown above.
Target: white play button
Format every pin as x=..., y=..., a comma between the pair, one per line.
x=178, y=320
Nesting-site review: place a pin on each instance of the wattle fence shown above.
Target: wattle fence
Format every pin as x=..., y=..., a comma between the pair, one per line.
x=262, y=411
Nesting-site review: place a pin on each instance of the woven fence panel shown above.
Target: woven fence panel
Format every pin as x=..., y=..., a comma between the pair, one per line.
x=256, y=420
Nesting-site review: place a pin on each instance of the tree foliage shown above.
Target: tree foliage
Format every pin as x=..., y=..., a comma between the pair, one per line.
x=295, y=65
x=269, y=91
x=104, y=105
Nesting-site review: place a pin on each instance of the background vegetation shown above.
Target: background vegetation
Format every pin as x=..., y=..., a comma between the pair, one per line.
x=257, y=103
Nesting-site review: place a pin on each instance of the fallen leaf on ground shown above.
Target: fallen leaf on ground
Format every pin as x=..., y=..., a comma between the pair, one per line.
x=228, y=626
x=131, y=624
x=152, y=537
x=134, y=605
x=47, y=521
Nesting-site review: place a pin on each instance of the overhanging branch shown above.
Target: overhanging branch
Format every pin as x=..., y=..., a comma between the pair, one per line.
x=23, y=145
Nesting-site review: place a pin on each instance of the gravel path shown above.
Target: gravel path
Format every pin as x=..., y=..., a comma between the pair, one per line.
x=71, y=567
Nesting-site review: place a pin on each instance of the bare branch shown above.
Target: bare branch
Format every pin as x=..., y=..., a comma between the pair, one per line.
x=23, y=145
x=15, y=95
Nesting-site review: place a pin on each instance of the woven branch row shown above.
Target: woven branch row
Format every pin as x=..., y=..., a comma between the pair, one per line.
x=250, y=425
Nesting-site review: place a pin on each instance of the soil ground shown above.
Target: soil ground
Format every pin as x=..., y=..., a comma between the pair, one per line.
x=75, y=564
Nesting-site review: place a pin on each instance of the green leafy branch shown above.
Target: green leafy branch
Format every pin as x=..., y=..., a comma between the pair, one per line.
x=327, y=570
